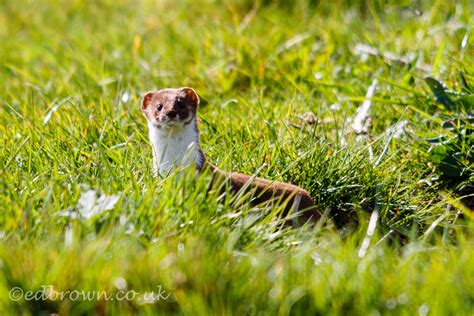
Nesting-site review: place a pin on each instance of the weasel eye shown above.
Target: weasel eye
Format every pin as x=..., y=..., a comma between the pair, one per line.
x=159, y=106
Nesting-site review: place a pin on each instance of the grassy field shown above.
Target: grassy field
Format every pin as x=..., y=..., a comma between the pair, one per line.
x=281, y=86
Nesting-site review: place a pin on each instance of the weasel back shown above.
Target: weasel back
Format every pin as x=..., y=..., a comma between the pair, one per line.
x=296, y=198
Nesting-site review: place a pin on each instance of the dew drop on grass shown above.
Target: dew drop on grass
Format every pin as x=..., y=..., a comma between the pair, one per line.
x=273, y=294
x=402, y=298
x=316, y=258
x=116, y=54
x=335, y=107
x=120, y=283
x=123, y=220
x=90, y=203
x=68, y=236
x=391, y=303
x=130, y=229
x=423, y=310
x=125, y=97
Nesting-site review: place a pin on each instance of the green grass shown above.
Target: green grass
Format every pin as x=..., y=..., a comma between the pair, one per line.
x=72, y=76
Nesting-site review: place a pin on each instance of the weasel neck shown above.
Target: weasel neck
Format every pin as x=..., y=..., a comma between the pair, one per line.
x=175, y=146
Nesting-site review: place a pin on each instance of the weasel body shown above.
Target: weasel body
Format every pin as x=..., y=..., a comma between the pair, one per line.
x=174, y=147
x=174, y=136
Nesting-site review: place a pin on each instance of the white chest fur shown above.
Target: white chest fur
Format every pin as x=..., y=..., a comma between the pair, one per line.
x=174, y=146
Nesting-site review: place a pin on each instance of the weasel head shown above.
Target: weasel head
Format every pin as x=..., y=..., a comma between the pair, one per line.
x=170, y=108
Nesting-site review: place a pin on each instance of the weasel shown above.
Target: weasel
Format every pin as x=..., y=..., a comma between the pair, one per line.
x=174, y=136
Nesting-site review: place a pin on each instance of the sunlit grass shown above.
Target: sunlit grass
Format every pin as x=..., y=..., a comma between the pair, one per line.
x=72, y=77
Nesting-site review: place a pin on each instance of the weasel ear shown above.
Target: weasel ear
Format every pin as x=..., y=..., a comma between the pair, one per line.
x=191, y=95
x=147, y=98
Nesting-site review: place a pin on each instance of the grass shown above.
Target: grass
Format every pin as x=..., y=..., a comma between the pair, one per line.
x=72, y=77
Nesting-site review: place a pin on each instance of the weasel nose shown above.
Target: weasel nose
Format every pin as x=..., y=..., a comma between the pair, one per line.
x=171, y=114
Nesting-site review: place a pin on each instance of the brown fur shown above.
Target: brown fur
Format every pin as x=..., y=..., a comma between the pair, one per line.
x=297, y=199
